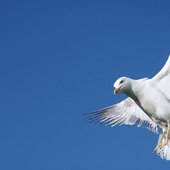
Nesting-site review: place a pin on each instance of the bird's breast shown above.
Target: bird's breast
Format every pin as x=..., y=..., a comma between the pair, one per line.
x=155, y=104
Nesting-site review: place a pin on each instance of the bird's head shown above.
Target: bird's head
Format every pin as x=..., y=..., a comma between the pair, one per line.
x=121, y=85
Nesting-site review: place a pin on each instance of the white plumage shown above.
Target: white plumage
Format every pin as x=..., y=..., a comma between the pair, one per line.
x=148, y=103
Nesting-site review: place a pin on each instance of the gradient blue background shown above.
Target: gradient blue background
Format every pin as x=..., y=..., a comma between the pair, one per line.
x=58, y=60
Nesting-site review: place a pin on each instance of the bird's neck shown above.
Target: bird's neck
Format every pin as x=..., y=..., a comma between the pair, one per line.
x=133, y=91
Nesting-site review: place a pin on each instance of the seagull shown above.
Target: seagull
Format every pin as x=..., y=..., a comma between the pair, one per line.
x=147, y=103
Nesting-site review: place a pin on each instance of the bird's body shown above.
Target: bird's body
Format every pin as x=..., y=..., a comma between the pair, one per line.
x=148, y=102
x=147, y=92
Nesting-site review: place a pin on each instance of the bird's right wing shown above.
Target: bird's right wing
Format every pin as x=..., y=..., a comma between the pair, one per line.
x=126, y=112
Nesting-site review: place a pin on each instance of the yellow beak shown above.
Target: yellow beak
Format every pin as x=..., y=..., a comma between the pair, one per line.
x=116, y=91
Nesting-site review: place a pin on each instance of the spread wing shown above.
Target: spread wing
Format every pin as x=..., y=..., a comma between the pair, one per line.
x=162, y=79
x=164, y=71
x=126, y=112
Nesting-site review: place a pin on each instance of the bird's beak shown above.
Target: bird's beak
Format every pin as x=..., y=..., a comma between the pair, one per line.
x=116, y=90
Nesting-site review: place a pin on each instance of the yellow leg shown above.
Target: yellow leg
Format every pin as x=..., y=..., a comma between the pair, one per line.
x=167, y=136
x=160, y=143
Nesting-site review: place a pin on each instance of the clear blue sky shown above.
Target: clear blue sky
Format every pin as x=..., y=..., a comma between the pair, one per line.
x=58, y=60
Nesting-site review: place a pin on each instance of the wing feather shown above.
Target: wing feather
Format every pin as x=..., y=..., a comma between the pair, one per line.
x=126, y=112
x=161, y=81
x=164, y=71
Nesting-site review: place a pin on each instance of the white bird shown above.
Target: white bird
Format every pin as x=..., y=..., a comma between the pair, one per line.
x=148, y=103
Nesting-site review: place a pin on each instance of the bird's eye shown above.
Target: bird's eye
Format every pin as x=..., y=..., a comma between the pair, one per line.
x=121, y=81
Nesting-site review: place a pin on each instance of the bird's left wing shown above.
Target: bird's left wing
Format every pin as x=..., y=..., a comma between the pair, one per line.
x=165, y=71
x=162, y=80
x=126, y=112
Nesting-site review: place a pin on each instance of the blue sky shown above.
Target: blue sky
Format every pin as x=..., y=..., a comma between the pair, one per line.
x=58, y=60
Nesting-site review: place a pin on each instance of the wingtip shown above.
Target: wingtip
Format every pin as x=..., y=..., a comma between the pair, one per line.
x=169, y=55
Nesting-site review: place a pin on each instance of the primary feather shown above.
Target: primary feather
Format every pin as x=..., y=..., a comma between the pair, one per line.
x=126, y=112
